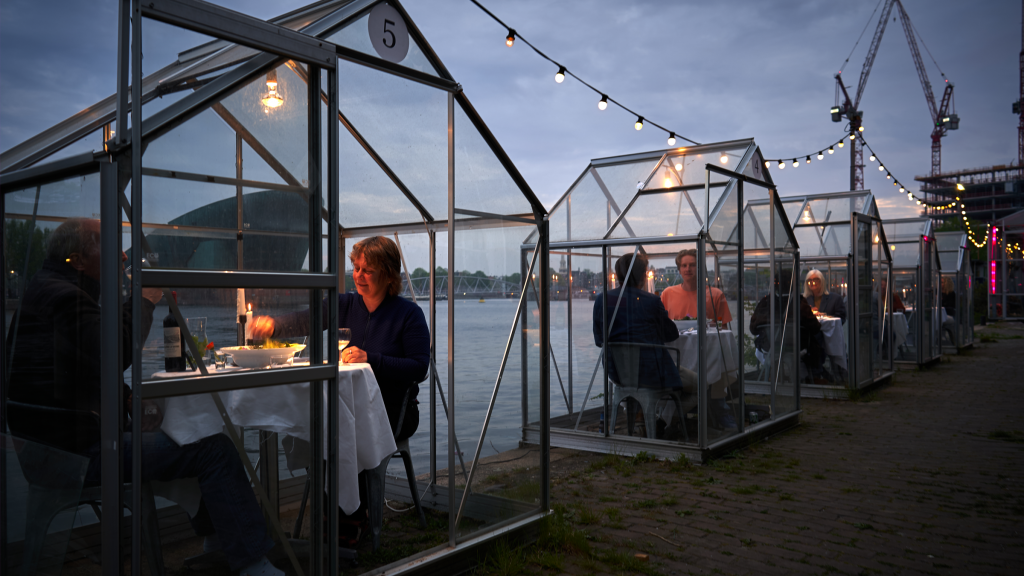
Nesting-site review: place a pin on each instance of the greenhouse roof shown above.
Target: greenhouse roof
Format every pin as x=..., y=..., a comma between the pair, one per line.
x=952, y=246
x=664, y=193
x=393, y=145
x=909, y=231
x=821, y=222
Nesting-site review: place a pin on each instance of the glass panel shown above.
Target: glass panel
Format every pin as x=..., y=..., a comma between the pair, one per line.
x=356, y=36
x=368, y=196
x=867, y=304
x=685, y=168
x=590, y=212
x=43, y=488
x=623, y=180
x=664, y=214
x=481, y=182
x=406, y=123
x=791, y=310
x=483, y=326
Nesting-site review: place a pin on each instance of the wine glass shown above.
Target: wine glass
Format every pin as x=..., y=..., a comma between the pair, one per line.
x=344, y=337
x=197, y=328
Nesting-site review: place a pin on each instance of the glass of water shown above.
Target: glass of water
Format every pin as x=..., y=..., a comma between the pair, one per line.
x=344, y=337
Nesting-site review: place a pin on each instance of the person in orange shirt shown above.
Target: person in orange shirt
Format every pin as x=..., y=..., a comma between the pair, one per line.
x=681, y=300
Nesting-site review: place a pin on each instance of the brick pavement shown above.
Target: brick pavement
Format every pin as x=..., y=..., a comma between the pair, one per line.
x=921, y=477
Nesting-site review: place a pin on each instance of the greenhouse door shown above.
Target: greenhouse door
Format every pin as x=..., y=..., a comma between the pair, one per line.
x=864, y=302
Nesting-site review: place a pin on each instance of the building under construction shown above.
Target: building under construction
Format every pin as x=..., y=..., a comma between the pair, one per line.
x=988, y=194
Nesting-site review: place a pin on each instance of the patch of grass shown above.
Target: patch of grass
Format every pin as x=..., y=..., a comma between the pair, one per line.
x=669, y=501
x=851, y=490
x=548, y=560
x=786, y=496
x=681, y=464
x=863, y=526
x=752, y=489
x=818, y=476
x=503, y=559
x=605, y=461
x=644, y=504
x=607, y=499
x=626, y=562
x=588, y=516
x=614, y=517
x=682, y=513
x=558, y=535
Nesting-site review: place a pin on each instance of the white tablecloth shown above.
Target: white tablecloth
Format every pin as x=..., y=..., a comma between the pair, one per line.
x=900, y=329
x=835, y=342
x=719, y=358
x=363, y=426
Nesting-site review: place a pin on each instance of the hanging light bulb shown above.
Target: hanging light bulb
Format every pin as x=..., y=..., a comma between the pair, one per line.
x=872, y=158
x=831, y=150
x=560, y=75
x=881, y=168
x=820, y=155
x=639, y=123
x=901, y=189
x=795, y=163
x=781, y=164
x=511, y=38
x=679, y=166
x=960, y=188
x=603, y=103
x=841, y=143
x=671, y=138
x=853, y=136
x=272, y=99
x=808, y=159
x=888, y=176
x=767, y=164
x=724, y=158
x=860, y=129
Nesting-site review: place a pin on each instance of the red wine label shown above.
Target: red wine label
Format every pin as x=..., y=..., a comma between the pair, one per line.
x=172, y=342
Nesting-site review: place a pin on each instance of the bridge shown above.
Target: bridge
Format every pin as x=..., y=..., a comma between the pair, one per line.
x=465, y=287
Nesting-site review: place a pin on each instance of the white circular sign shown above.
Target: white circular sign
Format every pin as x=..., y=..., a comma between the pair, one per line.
x=388, y=33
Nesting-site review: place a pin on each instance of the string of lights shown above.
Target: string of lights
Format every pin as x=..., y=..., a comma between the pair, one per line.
x=562, y=72
x=781, y=163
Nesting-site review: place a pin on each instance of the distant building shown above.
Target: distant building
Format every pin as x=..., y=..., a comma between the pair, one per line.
x=990, y=193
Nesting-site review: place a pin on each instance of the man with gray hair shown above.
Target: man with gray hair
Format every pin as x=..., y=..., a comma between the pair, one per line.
x=56, y=370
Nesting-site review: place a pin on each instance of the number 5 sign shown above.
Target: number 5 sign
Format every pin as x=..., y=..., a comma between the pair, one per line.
x=388, y=33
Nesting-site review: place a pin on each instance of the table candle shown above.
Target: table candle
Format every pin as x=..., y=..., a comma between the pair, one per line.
x=239, y=304
x=248, y=324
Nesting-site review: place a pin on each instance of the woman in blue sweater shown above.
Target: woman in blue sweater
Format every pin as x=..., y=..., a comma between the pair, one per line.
x=389, y=333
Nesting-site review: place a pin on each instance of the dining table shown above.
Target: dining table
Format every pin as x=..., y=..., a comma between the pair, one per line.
x=719, y=354
x=364, y=430
x=835, y=339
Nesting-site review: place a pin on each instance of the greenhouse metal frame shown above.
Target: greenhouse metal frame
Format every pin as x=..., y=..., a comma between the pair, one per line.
x=915, y=278
x=281, y=226
x=955, y=255
x=715, y=199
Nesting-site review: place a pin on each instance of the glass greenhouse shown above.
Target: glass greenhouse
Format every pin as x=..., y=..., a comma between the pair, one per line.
x=666, y=382
x=916, y=303
x=957, y=287
x=254, y=163
x=841, y=237
x=1005, y=268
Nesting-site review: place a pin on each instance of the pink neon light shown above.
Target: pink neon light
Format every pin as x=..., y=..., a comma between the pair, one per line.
x=992, y=277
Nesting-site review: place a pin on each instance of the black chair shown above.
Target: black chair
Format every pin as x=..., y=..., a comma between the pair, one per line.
x=49, y=496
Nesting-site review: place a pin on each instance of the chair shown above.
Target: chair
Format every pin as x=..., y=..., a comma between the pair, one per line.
x=376, y=478
x=626, y=357
x=46, y=498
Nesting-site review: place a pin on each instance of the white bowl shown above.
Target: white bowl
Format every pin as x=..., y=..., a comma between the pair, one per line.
x=246, y=357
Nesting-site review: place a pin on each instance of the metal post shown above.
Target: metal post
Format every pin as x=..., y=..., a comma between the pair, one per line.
x=334, y=259
x=794, y=295
x=774, y=359
x=136, y=150
x=608, y=426
x=702, y=328
x=545, y=368
x=452, y=528
x=3, y=408
x=111, y=393
x=432, y=237
x=740, y=312
x=316, y=329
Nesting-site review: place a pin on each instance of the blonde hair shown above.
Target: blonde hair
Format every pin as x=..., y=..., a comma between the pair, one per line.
x=821, y=278
x=381, y=253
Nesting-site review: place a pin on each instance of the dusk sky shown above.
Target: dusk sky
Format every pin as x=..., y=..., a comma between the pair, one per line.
x=711, y=71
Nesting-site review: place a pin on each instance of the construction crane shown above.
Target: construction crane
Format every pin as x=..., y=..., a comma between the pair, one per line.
x=1018, y=108
x=944, y=117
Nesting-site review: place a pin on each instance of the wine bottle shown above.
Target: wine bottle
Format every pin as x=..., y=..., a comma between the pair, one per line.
x=174, y=347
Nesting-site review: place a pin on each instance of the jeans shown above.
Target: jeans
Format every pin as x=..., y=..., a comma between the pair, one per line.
x=227, y=495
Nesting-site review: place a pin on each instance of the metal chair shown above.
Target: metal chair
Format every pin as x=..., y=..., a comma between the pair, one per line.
x=376, y=478
x=626, y=356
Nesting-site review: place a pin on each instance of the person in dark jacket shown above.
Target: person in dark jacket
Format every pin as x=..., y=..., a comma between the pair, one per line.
x=820, y=299
x=388, y=332
x=56, y=364
x=811, y=338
